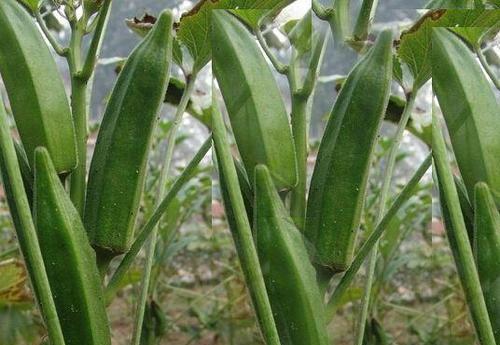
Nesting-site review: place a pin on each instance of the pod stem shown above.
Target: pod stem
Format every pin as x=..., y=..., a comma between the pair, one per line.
x=242, y=232
x=150, y=249
x=463, y=252
x=373, y=238
x=25, y=229
x=384, y=195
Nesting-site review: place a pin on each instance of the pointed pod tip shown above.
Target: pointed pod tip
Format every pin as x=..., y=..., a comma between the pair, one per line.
x=482, y=191
x=165, y=21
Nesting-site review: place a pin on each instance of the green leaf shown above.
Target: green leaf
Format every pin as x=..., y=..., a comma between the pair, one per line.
x=458, y=4
x=194, y=26
x=415, y=43
x=31, y=4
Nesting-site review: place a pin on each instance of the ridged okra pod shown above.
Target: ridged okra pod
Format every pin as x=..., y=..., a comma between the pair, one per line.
x=118, y=166
x=69, y=259
x=290, y=277
x=35, y=88
x=253, y=100
x=338, y=184
x=487, y=252
x=470, y=110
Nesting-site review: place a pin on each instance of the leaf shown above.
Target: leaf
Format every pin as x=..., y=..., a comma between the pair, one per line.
x=13, y=283
x=457, y=4
x=32, y=5
x=415, y=44
x=193, y=30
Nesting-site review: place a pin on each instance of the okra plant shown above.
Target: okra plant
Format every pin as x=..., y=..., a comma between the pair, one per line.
x=304, y=219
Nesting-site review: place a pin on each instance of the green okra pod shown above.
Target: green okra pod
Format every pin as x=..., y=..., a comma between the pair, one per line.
x=69, y=259
x=289, y=276
x=487, y=252
x=470, y=110
x=254, y=103
x=118, y=166
x=35, y=88
x=338, y=184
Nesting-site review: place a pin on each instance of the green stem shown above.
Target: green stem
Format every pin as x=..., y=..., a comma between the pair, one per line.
x=25, y=229
x=487, y=67
x=372, y=240
x=97, y=38
x=147, y=229
x=300, y=136
x=150, y=249
x=278, y=65
x=339, y=22
x=462, y=249
x=384, y=195
x=79, y=110
x=53, y=42
x=242, y=232
x=365, y=19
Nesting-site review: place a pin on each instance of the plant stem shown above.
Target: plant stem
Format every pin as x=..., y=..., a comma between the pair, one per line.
x=278, y=65
x=372, y=240
x=300, y=115
x=150, y=249
x=339, y=22
x=384, y=195
x=79, y=112
x=462, y=248
x=300, y=137
x=242, y=232
x=365, y=19
x=25, y=229
x=97, y=38
x=116, y=279
x=487, y=67
x=53, y=42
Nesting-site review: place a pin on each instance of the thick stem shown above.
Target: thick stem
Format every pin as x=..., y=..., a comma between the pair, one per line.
x=300, y=136
x=79, y=110
x=150, y=250
x=384, y=195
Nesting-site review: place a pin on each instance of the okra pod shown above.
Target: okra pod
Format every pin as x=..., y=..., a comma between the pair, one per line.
x=35, y=88
x=338, y=184
x=470, y=110
x=487, y=252
x=254, y=103
x=289, y=276
x=69, y=259
x=118, y=166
